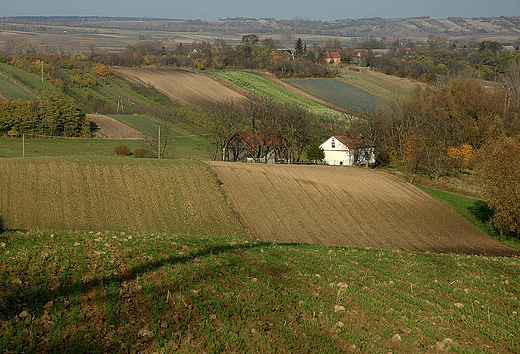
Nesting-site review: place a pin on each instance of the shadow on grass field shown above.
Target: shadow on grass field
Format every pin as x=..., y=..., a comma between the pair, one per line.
x=78, y=292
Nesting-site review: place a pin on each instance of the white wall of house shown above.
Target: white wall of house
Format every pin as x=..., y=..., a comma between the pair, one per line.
x=337, y=153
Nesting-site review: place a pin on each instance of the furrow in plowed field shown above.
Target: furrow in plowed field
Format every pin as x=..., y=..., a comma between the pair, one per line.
x=346, y=206
x=192, y=89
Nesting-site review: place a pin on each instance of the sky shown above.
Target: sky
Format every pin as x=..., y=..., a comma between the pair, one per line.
x=279, y=9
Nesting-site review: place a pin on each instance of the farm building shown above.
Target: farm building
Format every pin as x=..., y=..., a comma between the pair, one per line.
x=347, y=150
x=332, y=57
x=255, y=147
x=357, y=55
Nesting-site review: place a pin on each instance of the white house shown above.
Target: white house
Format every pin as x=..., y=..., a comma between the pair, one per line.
x=346, y=150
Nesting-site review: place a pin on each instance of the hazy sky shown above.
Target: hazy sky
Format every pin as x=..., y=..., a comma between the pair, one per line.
x=279, y=9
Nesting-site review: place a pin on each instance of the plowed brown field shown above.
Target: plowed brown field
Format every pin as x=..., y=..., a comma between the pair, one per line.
x=114, y=129
x=191, y=89
x=346, y=206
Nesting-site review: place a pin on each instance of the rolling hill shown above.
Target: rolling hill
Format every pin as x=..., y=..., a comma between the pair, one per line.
x=346, y=206
x=282, y=203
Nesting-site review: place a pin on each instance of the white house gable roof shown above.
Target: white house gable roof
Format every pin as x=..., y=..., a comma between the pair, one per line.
x=336, y=143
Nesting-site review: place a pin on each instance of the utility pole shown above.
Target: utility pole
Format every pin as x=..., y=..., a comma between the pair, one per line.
x=23, y=145
x=42, y=70
x=159, y=143
x=120, y=105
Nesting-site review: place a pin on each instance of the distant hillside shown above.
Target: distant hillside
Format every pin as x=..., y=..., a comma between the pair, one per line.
x=409, y=27
x=382, y=27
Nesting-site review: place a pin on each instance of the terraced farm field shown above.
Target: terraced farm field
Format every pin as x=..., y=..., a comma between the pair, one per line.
x=340, y=93
x=271, y=90
x=191, y=89
x=346, y=206
x=120, y=194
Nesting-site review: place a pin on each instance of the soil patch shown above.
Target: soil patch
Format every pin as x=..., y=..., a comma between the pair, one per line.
x=346, y=206
x=108, y=127
x=189, y=88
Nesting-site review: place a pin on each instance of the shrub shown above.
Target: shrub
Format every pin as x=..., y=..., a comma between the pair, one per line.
x=143, y=153
x=122, y=150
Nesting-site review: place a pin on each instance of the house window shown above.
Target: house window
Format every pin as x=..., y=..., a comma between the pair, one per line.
x=333, y=143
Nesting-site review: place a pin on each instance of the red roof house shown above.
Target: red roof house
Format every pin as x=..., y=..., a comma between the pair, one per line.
x=332, y=57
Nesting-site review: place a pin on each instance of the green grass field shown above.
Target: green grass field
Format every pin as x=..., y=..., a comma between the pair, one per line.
x=120, y=194
x=35, y=147
x=32, y=82
x=340, y=93
x=385, y=87
x=183, y=142
x=84, y=292
x=278, y=94
x=12, y=91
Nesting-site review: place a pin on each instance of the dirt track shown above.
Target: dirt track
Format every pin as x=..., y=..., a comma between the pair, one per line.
x=191, y=89
x=346, y=206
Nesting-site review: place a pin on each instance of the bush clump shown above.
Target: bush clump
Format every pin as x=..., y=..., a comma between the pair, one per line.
x=143, y=153
x=122, y=150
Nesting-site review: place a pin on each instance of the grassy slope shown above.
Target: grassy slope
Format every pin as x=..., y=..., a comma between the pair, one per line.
x=12, y=91
x=385, y=87
x=13, y=147
x=114, y=194
x=474, y=210
x=276, y=93
x=81, y=292
x=30, y=81
x=184, y=144
x=340, y=93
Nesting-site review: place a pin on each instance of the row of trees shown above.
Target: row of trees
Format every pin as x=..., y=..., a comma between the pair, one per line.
x=250, y=53
x=291, y=127
x=53, y=114
x=425, y=61
x=440, y=57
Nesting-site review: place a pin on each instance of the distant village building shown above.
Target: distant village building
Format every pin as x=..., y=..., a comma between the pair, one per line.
x=357, y=55
x=332, y=57
x=378, y=53
x=347, y=150
x=288, y=53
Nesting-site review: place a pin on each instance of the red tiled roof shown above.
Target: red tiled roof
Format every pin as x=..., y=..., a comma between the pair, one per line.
x=258, y=139
x=332, y=55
